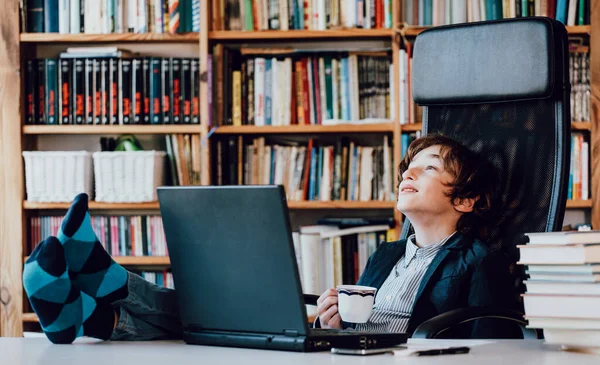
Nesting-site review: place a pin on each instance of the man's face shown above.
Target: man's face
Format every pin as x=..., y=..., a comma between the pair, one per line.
x=423, y=189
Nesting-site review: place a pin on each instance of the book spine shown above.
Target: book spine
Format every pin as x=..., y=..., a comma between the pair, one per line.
x=97, y=87
x=65, y=88
x=64, y=17
x=176, y=90
x=146, y=80
x=104, y=92
x=195, y=90
x=268, y=91
x=250, y=82
x=166, y=90
x=35, y=16
x=127, y=89
x=78, y=91
x=51, y=97
x=81, y=16
x=139, y=85
x=74, y=21
x=155, y=90
x=51, y=16
x=195, y=16
x=31, y=91
x=186, y=91
x=114, y=84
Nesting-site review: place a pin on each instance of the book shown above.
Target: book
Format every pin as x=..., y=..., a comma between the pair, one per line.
x=563, y=306
x=561, y=288
x=554, y=254
x=564, y=238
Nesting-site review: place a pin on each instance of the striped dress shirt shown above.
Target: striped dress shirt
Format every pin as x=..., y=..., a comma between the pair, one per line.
x=394, y=300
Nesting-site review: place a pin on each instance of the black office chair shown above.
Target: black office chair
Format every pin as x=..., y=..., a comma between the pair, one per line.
x=501, y=88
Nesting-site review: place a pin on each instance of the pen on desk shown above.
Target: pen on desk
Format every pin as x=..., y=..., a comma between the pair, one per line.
x=448, y=351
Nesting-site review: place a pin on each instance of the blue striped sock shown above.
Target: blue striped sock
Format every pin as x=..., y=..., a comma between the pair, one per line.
x=90, y=266
x=65, y=313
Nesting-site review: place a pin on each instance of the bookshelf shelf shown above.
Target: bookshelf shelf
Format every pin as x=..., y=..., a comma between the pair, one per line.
x=579, y=29
x=111, y=129
x=578, y=204
x=297, y=129
x=138, y=260
x=581, y=126
x=30, y=318
x=416, y=127
x=155, y=206
x=341, y=205
x=228, y=35
x=93, y=206
x=108, y=38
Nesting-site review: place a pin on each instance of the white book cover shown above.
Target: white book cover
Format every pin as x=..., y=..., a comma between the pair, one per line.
x=585, y=171
x=565, y=306
x=64, y=17
x=513, y=9
x=142, y=20
x=291, y=166
x=354, y=230
x=298, y=253
x=572, y=11
x=310, y=250
x=459, y=11
x=563, y=323
x=564, y=237
x=387, y=172
x=158, y=21
x=120, y=16
x=282, y=81
x=402, y=69
x=259, y=91
x=476, y=4
x=327, y=265
x=284, y=17
x=75, y=20
x=287, y=80
x=355, y=100
x=350, y=13
x=131, y=16
x=563, y=254
x=335, y=77
x=275, y=94
x=325, y=184
x=366, y=174
x=311, y=93
x=392, y=111
x=322, y=89
x=266, y=178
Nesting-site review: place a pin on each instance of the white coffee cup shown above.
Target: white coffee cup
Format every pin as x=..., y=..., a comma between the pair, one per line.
x=355, y=302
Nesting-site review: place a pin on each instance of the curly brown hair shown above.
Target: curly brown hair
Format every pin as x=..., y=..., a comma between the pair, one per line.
x=474, y=177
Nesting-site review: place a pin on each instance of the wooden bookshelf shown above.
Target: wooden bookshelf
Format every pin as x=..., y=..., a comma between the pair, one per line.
x=92, y=206
x=30, y=318
x=137, y=260
x=307, y=129
x=228, y=35
x=581, y=126
x=111, y=129
x=579, y=204
x=108, y=38
x=155, y=206
x=416, y=127
x=341, y=205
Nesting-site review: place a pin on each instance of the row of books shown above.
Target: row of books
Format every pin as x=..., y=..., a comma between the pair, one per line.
x=328, y=256
x=301, y=14
x=151, y=90
x=322, y=89
x=563, y=286
x=344, y=171
x=111, y=16
x=164, y=279
x=579, y=74
x=410, y=112
x=579, y=175
x=441, y=12
x=183, y=151
x=119, y=235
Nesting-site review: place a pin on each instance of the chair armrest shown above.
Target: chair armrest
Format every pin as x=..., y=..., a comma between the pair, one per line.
x=310, y=299
x=440, y=323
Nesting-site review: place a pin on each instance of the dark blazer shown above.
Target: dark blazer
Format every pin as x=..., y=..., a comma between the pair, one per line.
x=463, y=274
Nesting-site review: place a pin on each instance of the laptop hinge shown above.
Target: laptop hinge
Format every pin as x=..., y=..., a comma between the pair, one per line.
x=290, y=333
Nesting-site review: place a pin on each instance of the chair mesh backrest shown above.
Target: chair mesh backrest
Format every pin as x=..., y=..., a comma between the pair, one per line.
x=528, y=141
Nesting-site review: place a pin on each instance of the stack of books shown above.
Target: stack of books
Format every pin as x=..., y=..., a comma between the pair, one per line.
x=563, y=288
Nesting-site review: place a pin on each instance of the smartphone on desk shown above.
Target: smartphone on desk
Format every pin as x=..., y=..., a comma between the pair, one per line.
x=362, y=352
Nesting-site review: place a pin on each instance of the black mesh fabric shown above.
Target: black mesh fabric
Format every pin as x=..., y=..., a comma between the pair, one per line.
x=523, y=140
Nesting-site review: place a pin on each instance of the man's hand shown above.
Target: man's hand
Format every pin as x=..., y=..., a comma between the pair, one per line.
x=327, y=310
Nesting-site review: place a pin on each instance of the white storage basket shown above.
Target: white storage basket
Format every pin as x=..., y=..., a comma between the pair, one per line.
x=57, y=176
x=130, y=177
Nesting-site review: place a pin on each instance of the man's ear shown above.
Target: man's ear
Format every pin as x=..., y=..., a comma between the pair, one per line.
x=464, y=205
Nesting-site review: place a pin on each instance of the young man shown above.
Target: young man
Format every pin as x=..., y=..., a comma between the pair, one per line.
x=447, y=192
x=78, y=290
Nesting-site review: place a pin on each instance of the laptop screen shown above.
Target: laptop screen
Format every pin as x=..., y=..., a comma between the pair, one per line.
x=233, y=258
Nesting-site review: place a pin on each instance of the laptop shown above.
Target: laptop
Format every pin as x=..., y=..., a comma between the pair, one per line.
x=236, y=275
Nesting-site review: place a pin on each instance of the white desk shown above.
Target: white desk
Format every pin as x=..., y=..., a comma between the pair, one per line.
x=39, y=351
